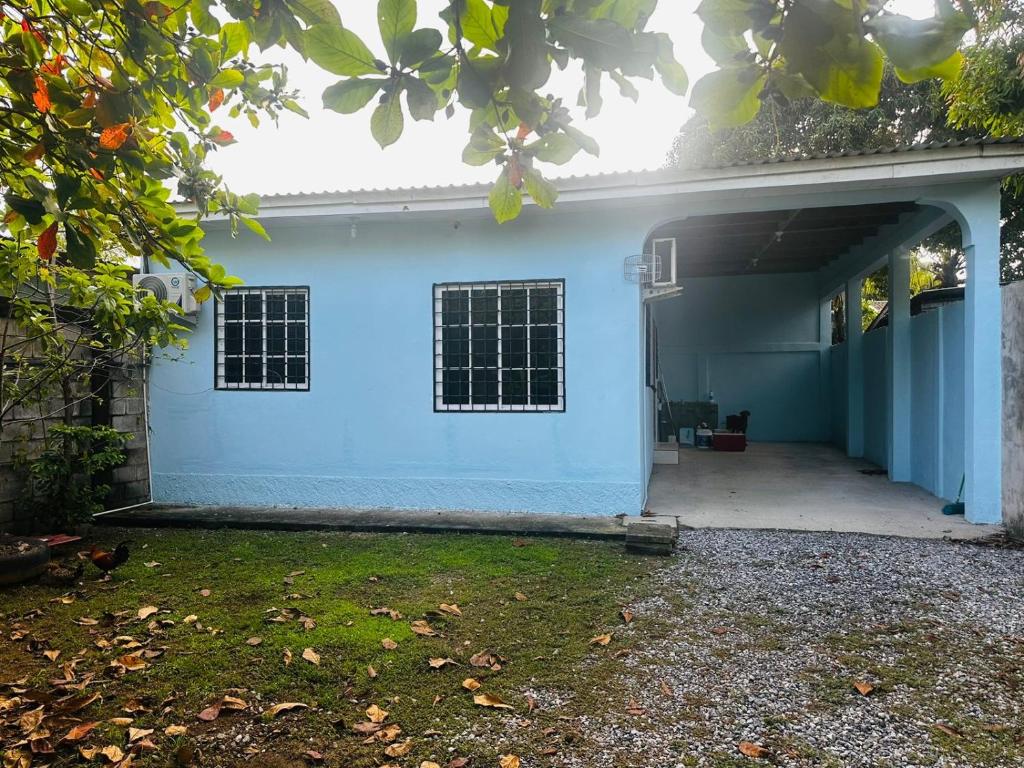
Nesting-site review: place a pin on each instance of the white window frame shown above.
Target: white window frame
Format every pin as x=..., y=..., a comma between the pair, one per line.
x=220, y=353
x=500, y=407
x=666, y=269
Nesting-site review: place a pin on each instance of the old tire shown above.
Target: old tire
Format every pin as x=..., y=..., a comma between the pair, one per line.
x=16, y=566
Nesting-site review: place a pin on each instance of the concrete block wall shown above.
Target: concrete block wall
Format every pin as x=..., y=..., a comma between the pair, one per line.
x=1013, y=408
x=23, y=434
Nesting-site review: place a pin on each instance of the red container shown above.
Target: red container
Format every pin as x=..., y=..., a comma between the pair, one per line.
x=729, y=441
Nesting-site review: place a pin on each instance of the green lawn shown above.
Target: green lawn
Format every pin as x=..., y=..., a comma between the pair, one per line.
x=573, y=591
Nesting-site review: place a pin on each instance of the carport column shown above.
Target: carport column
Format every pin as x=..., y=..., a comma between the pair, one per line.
x=899, y=365
x=854, y=369
x=983, y=372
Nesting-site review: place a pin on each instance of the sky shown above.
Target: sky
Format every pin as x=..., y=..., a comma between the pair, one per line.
x=330, y=151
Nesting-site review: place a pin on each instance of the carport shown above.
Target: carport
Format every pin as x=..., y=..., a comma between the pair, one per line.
x=743, y=319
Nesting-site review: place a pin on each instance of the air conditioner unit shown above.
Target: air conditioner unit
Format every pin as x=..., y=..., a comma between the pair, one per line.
x=177, y=287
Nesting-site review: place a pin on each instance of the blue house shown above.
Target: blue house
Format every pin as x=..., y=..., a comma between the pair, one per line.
x=399, y=349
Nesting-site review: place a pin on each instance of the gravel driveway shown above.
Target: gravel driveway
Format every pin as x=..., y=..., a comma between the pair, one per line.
x=759, y=637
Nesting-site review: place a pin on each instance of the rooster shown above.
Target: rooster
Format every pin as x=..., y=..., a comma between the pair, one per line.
x=108, y=561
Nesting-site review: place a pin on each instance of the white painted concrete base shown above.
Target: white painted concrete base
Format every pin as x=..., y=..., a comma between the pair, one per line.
x=797, y=486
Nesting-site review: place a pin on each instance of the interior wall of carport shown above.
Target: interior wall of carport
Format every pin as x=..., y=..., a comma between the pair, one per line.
x=754, y=342
x=937, y=405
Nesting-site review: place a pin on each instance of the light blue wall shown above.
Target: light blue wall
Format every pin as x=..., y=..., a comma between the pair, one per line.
x=753, y=341
x=876, y=398
x=366, y=434
x=953, y=407
x=837, y=393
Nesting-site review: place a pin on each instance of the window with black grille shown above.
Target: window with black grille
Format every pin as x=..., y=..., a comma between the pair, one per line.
x=263, y=339
x=499, y=346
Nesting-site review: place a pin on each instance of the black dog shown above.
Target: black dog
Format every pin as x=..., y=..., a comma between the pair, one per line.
x=737, y=423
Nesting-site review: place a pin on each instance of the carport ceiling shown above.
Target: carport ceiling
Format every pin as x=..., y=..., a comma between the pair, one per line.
x=802, y=240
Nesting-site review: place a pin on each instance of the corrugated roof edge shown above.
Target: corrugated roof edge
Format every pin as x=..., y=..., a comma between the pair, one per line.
x=484, y=187
x=919, y=147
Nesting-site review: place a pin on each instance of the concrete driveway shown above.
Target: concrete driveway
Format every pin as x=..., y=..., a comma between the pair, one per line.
x=797, y=486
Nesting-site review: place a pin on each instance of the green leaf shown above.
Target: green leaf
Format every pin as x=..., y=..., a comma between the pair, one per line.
x=202, y=19
x=234, y=39
x=921, y=45
x=587, y=144
x=945, y=70
x=484, y=147
x=423, y=102
x=32, y=210
x=672, y=73
x=483, y=25
x=526, y=65
x=81, y=250
x=543, y=192
x=227, y=78
x=505, y=199
x=203, y=294
x=315, y=11
x=557, y=148
x=725, y=49
x=396, y=18
x=256, y=227
x=418, y=46
x=293, y=106
x=823, y=42
x=387, y=121
x=339, y=51
x=348, y=96
x=626, y=88
x=600, y=43
x=729, y=97
x=734, y=17
x=590, y=96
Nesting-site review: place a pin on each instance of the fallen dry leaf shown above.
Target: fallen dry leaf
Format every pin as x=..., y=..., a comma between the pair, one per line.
x=370, y=671
x=399, y=750
x=750, y=749
x=627, y=615
x=948, y=730
x=51, y=655
x=520, y=597
x=131, y=662
x=388, y=644
x=311, y=656
x=508, y=761
x=205, y=593
x=152, y=564
x=420, y=627
x=254, y=641
x=458, y=762
x=429, y=764
x=470, y=683
x=601, y=639
x=134, y=734
x=190, y=619
x=633, y=708
x=375, y=714
x=231, y=702
x=490, y=700
x=366, y=728
x=286, y=706
x=175, y=730
x=665, y=690
x=146, y=611
x=80, y=731
x=113, y=753
x=863, y=687
x=287, y=656
x=452, y=609
x=439, y=662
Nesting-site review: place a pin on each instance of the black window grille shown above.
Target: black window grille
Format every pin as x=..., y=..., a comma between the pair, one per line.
x=499, y=346
x=263, y=339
